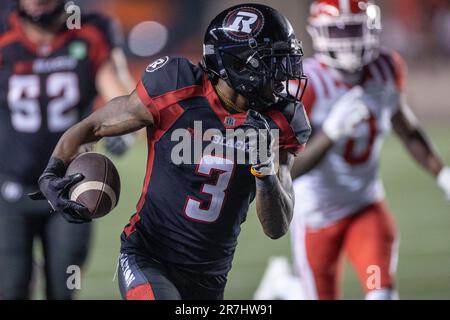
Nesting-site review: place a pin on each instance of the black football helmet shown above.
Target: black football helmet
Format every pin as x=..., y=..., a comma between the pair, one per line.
x=46, y=19
x=254, y=49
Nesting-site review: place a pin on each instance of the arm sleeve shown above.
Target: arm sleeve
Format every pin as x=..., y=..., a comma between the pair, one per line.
x=400, y=70
x=309, y=95
x=309, y=98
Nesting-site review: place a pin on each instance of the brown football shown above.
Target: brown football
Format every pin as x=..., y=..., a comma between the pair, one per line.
x=99, y=191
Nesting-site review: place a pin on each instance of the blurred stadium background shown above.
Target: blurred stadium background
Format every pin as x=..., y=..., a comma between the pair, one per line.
x=419, y=30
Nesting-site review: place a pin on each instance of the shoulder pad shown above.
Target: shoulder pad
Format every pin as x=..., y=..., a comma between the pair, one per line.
x=169, y=74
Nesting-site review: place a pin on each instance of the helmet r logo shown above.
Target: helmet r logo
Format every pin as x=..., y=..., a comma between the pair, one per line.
x=246, y=24
x=243, y=22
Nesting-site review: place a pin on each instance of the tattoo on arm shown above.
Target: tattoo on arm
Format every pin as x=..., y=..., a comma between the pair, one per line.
x=120, y=116
x=275, y=199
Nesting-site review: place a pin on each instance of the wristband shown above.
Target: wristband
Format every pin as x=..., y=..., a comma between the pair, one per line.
x=256, y=173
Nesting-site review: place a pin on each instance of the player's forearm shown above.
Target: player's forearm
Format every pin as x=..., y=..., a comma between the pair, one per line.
x=421, y=149
x=407, y=127
x=119, y=116
x=315, y=151
x=275, y=204
x=70, y=143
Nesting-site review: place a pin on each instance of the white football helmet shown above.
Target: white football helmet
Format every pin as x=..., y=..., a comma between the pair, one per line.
x=345, y=33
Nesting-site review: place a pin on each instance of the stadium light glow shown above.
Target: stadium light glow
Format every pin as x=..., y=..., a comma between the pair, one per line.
x=148, y=38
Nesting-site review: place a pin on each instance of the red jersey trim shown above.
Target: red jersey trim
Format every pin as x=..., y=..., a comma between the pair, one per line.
x=288, y=141
x=141, y=292
x=99, y=49
x=156, y=104
x=147, y=101
x=400, y=71
x=309, y=99
x=173, y=97
x=219, y=109
x=8, y=38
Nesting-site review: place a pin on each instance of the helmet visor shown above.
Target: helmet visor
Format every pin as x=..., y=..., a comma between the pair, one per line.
x=265, y=71
x=346, y=31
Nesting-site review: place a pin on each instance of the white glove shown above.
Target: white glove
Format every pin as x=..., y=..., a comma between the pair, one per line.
x=444, y=181
x=259, y=134
x=346, y=114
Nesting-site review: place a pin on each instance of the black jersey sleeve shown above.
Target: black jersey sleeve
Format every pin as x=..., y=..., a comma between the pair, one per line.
x=293, y=125
x=167, y=81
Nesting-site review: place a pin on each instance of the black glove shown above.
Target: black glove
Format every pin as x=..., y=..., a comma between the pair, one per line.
x=117, y=146
x=261, y=159
x=54, y=188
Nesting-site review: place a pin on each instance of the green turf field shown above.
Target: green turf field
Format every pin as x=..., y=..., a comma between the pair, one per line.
x=423, y=218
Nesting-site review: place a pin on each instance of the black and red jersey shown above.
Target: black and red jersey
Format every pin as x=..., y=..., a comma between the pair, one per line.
x=46, y=89
x=190, y=214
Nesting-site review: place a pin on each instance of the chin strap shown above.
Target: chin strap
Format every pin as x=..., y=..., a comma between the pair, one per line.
x=227, y=101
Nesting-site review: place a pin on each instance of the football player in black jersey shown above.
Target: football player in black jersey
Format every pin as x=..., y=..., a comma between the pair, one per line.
x=181, y=242
x=49, y=78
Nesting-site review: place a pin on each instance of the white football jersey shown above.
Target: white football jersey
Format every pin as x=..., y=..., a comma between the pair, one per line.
x=348, y=179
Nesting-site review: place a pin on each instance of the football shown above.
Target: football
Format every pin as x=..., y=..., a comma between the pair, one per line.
x=99, y=191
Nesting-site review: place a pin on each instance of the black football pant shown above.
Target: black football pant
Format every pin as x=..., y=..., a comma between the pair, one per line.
x=64, y=245
x=142, y=278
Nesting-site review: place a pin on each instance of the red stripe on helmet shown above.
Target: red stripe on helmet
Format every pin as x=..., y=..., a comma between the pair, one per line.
x=335, y=8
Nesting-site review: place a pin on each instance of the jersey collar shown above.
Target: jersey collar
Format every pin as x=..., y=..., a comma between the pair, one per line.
x=229, y=120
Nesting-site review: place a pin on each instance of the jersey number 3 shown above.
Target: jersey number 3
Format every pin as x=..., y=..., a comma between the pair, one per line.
x=23, y=100
x=195, y=209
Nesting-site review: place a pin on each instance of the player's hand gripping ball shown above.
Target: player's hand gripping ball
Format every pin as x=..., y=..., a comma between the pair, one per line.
x=54, y=187
x=99, y=191
x=260, y=143
x=88, y=189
